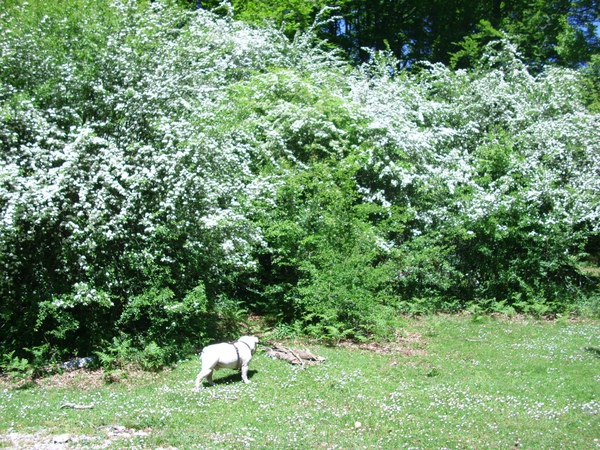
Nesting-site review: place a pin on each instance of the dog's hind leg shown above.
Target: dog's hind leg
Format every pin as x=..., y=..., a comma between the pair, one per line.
x=204, y=373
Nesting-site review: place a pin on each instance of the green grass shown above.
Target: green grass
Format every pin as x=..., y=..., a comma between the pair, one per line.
x=450, y=382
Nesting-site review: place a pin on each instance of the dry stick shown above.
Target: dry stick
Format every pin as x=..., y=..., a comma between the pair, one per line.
x=297, y=357
x=74, y=406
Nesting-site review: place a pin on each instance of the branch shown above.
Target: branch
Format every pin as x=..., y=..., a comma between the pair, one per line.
x=74, y=406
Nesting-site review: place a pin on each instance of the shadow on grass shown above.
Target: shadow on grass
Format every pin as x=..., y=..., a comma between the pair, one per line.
x=593, y=351
x=235, y=377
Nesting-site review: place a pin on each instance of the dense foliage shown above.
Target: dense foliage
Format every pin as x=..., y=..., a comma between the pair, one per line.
x=163, y=171
x=563, y=32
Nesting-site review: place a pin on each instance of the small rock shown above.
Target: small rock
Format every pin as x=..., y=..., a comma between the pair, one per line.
x=78, y=363
x=61, y=439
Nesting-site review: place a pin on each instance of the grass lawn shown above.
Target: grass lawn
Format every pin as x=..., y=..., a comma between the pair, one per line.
x=448, y=382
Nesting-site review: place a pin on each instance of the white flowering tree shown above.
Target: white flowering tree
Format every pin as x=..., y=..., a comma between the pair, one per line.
x=124, y=175
x=497, y=172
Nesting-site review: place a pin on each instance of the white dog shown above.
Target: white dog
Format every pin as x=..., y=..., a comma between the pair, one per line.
x=233, y=355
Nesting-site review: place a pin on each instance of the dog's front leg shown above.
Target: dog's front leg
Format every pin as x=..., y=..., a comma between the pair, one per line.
x=245, y=374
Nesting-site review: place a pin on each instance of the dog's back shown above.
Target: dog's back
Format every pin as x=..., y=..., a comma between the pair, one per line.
x=219, y=355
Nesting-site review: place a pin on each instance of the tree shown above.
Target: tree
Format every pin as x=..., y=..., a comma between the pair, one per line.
x=560, y=32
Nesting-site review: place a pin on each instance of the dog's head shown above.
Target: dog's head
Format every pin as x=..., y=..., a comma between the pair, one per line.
x=250, y=341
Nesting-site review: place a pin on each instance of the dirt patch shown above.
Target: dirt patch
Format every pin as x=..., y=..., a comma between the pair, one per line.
x=81, y=379
x=410, y=344
x=43, y=441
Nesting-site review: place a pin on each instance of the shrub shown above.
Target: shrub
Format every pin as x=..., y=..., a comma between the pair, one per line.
x=163, y=171
x=496, y=166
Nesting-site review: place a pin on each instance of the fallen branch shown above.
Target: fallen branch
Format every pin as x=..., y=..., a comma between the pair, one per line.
x=74, y=406
x=297, y=357
x=302, y=357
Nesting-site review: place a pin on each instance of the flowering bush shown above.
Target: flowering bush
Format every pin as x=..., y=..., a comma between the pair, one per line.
x=498, y=170
x=122, y=170
x=163, y=170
